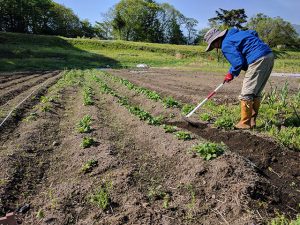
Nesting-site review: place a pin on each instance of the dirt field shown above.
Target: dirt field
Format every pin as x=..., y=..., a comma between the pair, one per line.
x=151, y=177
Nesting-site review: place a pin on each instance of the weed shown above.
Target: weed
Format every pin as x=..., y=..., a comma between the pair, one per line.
x=101, y=198
x=40, y=214
x=209, y=150
x=282, y=220
x=89, y=165
x=170, y=102
x=191, y=205
x=155, y=193
x=169, y=128
x=2, y=182
x=183, y=135
x=84, y=125
x=166, y=201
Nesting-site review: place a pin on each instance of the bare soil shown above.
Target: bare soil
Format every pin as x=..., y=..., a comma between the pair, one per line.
x=152, y=176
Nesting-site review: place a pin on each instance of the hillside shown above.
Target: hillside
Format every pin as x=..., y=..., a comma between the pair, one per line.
x=19, y=52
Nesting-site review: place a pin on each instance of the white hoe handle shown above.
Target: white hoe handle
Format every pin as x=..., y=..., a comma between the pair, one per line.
x=208, y=97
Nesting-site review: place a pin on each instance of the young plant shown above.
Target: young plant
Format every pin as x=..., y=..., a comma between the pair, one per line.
x=87, y=142
x=31, y=117
x=101, y=198
x=224, y=122
x=84, y=125
x=183, y=135
x=205, y=117
x=87, y=96
x=156, y=121
x=89, y=165
x=186, y=109
x=169, y=128
x=209, y=150
x=170, y=102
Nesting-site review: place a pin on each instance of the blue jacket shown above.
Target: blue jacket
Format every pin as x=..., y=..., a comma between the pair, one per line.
x=242, y=48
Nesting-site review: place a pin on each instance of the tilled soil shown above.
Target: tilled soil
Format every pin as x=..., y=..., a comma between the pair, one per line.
x=151, y=176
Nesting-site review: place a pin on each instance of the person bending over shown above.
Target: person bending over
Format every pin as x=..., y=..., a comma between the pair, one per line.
x=245, y=51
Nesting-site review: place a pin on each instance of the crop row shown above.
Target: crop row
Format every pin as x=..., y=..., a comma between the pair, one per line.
x=279, y=116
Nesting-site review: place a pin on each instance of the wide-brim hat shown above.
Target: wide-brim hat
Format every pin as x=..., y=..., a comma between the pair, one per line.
x=212, y=35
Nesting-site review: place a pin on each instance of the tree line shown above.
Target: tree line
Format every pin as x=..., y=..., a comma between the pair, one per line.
x=136, y=20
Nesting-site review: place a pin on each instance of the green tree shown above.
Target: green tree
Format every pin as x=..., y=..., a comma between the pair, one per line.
x=63, y=21
x=200, y=37
x=229, y=18
x=87, y=30
x=273, y=31
x=190, y=25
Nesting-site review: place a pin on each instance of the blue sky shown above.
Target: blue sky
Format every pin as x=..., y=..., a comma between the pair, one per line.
x=201, y=10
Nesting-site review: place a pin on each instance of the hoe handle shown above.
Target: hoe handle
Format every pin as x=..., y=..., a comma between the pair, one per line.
x=208, y=97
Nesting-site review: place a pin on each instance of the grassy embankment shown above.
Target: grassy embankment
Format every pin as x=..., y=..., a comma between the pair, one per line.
x=35, y=52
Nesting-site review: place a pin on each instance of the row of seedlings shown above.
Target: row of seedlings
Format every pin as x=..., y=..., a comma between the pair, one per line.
x=207, y=150
x=139, y=112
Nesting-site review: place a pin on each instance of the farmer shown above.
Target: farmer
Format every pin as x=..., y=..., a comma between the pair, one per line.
x=244, y=51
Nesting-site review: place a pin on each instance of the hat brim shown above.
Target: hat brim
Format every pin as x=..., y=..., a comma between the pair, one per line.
x=210, y=46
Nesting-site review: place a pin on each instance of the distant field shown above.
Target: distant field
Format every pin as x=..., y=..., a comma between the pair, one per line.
x=35, y=52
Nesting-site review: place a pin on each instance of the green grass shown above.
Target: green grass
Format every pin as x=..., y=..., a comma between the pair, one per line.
x=39, y=52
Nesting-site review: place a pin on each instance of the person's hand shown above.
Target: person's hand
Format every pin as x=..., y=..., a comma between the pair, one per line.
x=228, y=78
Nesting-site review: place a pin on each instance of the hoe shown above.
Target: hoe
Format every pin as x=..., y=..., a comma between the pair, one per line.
x=187, y=117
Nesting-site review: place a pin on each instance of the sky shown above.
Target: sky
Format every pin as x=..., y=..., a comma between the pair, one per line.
x=200, y=10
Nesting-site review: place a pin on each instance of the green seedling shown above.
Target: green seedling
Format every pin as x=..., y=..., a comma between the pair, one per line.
x=186, y=109
x=209, y=150
x=169, y=128
x=170, y=102
x=205, y=117
x=156, y=121
x=31, y=117
x=87, y=96
x=45, y=107
x=224, y=122
x=101, y=198
x=183, y=135
x=89, y=165
x=87, y=142
x=123, y=101
x=44, y=99
x=84, y=125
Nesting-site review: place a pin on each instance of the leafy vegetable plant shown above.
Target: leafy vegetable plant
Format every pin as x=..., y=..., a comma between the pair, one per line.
x=87, y=142
x=209, y=150
x=183, y=135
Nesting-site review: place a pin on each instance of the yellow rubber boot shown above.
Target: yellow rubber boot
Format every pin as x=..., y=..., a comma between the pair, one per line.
x=246, y=115
x=255, y=108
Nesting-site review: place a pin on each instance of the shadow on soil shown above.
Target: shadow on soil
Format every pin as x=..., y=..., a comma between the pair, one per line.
x=275, y=163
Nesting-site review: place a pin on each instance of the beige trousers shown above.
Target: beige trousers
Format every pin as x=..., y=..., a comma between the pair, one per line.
x=256, y=77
